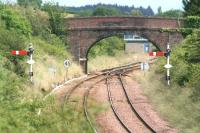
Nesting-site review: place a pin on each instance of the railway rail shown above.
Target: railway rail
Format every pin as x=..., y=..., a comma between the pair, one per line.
x=106, y=74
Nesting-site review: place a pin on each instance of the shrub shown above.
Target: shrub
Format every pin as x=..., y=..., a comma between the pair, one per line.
x=11, y=40
x=38, y=19
x=192, y=22
x=15, y=21
x=108, y=46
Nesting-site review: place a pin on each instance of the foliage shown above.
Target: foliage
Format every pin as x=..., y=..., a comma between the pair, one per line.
x=192, y=22
x=15, y=21
x=170, y=13
x=192, y=47
x=85, y=13
x=124, y=10
x=173, y=103
x=56, y=18
x=159, y=10
x=53, y=47
x=191, y=7
x=33, y=3
x=11, y=40
x=108, y=46
x=136, y=12
x=20, y=105
x=186, y=58
x=104, y=11
x=38, y=19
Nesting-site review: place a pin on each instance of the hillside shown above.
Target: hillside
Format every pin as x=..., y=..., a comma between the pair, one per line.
x=23, y=108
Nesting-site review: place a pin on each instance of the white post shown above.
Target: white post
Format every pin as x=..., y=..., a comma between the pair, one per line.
x=31, y=61
x=31, y=68
x=168, y=69
x=168, y=66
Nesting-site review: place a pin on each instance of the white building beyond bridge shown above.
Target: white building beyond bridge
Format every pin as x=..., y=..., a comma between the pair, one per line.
x=136, y=44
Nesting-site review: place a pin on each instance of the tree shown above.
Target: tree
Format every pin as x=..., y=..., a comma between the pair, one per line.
x=171, y=13
x=104, y=11
x=149, y=11
x=56, y=17
x=159, y=10
x=136, y=12
x=191, y=7
x=34, y=3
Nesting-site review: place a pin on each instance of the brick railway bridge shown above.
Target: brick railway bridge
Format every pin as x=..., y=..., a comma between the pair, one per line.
x=84, y=32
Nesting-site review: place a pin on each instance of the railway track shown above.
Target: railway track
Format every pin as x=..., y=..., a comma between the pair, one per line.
x=133, y=108
x=104, y=76
x=85, y=106
x=114, y=108
x=128, y=67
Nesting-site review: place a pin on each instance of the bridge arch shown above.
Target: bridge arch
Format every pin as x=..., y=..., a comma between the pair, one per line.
x=83, y=33
x=112, y=35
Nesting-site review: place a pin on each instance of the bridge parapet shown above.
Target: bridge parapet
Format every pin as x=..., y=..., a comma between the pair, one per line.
x=143, y=22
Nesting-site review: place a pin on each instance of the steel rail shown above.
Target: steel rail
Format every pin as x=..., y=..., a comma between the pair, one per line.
x=133, y=108
x=85, y=106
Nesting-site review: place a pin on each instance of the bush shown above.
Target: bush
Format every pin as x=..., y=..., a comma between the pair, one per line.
x=15, y=21
x=192, y=22
x=192, y=47
x=39, y=21
x=109, y=46
x=54, y=47
x=186, y=63
x=11, y=40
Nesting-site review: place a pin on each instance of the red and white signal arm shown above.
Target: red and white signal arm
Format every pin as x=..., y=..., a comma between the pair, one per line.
x=158, y=53
x=17, y=52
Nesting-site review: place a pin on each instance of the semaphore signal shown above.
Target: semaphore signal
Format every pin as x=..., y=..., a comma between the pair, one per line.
x=168, y=66
x=29, y=53
x=158, y=53
x=167, y=55
x=19, y=52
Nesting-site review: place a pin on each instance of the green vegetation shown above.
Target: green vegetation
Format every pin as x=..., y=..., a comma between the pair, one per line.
x=109, y=46
x=179, y=103
x=104, y=11
x=105, y=51
x=191, y=7
x=56, y=21
x=109, y=53
x=136, y=12
x=33, y=3
x=13, y=21
x=170, y=13
x=192, y=22
x=173, y=104
x=23, y=108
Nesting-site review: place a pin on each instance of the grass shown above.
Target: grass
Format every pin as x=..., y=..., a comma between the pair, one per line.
x=78, y=118
x=105, y=61
x=49, y=68
x=173, y=103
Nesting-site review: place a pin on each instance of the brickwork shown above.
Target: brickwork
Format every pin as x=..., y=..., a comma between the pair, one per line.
x=83, y=33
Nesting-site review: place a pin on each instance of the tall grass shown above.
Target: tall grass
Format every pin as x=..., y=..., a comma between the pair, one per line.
x=49, y=67
x=173, y=103
x=121, y=58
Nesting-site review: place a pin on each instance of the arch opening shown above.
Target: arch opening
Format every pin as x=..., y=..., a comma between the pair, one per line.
x=115, y=50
